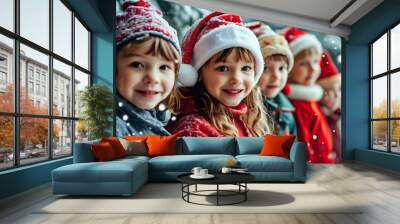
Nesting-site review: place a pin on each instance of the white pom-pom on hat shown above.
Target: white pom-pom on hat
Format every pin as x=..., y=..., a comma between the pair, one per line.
x=210, y=35
x=187, y=76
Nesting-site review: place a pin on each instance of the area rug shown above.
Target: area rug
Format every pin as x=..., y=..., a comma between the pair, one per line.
x=167, y=198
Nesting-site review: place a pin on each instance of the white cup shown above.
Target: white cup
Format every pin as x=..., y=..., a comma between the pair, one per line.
x=203, y=172
x=226, y=170
x=196, y=170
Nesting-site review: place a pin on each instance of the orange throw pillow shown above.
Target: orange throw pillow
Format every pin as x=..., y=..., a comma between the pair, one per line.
x=116, y=145
x=136, y=137
x=103, y=152
x=161, y=145
x=277, y=145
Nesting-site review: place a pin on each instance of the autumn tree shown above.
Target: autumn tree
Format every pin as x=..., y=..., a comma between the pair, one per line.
x=33, y=131
x=380, y=127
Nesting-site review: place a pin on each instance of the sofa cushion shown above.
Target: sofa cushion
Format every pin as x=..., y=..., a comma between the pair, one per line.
x=185, y=163
x=116, y=145
x=134, y=147
x=206, y=145
x=131, y=158
x=249, y=145
x=112, y=171
x=83, y=152
x=277, y=145
x=161, y=145
x=104, y=152
x=257, y=163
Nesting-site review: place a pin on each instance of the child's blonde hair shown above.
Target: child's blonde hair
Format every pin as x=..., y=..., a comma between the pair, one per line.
x=306, y=52
x=255, y=118
x=161, y=48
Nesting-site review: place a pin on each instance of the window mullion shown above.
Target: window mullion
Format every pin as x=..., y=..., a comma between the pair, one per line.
x=73, y=82
x=389, y=106
x=50, y=77
x=16, y=84
x=371, y=89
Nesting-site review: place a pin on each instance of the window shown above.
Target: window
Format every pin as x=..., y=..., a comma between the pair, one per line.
x=34, y=25
x=39, y=80
x=6, y=90
x=43, y=90
x=3, y=71
x=62, y=75
x=37, y=74
x=385, y=95
x=30, y=87
x=81, y=45
x=3, y=61
x=30, y=72
x=62, y=30
x=7, y=14
x=38, y=89
x=3, y=78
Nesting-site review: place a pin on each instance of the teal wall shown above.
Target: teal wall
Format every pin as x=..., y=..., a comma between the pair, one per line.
x=24, y=178
x=356, y=85
x=98, y=16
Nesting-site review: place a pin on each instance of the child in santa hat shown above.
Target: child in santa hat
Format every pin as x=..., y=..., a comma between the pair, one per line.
x=330, y=81
x=222, y=59
x=304, y=94
x=278, y=62
x=148, y=56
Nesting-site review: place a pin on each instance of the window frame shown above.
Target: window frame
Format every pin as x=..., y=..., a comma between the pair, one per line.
x=16, y=115
x=388, y=74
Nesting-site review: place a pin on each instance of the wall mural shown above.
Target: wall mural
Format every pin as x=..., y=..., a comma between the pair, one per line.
x=187, y=71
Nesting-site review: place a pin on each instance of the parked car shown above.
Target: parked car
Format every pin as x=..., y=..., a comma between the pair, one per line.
x=22, y=155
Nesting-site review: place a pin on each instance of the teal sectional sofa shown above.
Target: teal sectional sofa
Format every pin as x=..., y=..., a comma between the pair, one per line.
x=125, y=176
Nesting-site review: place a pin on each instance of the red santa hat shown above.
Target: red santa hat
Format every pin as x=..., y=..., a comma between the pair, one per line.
x=210, y=35
x=330, y=76
x=300, y=40
x=139, y=20
x=270, y=42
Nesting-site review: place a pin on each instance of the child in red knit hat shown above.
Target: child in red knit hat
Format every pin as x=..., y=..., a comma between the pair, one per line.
x=222, y=59
x=148, y=57
x=312, y=126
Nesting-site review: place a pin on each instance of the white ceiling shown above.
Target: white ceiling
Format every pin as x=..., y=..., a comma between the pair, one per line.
x=324, y=16
x=320, y=9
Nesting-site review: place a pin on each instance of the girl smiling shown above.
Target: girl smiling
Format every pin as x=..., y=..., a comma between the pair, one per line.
x=226, y=60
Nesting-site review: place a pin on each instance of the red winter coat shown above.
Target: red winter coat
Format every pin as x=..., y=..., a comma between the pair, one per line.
x=191, y=123
x=313, y=129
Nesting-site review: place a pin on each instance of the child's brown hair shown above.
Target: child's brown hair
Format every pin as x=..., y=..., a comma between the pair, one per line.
x=277, y=57
x=160, y=48
x=255, y=118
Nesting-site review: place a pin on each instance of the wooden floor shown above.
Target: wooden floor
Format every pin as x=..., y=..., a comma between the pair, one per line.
x=377, y=188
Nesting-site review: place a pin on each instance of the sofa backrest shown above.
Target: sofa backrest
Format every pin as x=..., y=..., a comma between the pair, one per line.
x=206, y=145
x=249, y=145
x=83, y=152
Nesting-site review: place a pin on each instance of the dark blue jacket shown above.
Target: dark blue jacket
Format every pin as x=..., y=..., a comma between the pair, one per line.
x=132, y=120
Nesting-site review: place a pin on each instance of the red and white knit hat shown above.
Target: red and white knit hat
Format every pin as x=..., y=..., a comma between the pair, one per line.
x=210, y=35
x=270, y=42
x=330, y=76
x=300, y=40
x=140, y=20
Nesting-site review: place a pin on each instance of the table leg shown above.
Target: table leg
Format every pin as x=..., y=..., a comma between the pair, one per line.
x=196, y=188
x=245, y=193
x=188, y=192
x=217, y=194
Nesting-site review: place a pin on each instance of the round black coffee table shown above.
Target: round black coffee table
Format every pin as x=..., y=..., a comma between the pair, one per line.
x=238, y=179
